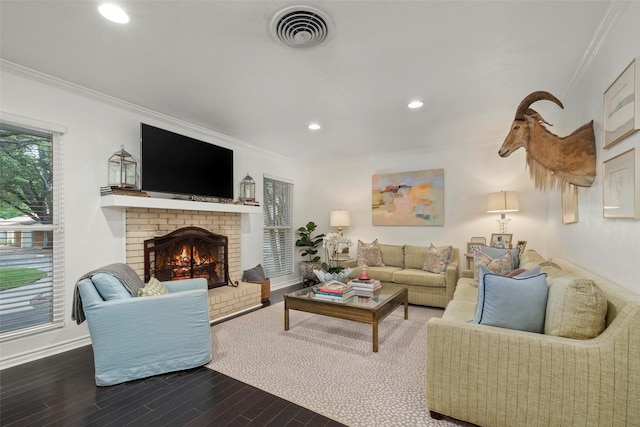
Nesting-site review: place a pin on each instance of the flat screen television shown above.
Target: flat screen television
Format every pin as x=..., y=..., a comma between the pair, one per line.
x=184, y=166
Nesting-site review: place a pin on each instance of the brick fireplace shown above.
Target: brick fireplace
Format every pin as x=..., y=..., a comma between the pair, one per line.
x=147, y=223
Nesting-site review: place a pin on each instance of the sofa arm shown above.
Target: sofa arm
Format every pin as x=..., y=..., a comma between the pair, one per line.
x=451, y=274
x=348, y=263
x=500, y=377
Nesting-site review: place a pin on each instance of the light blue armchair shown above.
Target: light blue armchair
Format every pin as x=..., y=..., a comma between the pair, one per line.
x=137, y=337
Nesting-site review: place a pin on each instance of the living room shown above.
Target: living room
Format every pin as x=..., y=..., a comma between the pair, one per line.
x=96, y=124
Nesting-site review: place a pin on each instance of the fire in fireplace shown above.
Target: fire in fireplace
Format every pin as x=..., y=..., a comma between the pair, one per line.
x=187, y=253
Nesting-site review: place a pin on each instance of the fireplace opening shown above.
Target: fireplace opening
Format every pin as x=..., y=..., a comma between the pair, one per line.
x=187, y=253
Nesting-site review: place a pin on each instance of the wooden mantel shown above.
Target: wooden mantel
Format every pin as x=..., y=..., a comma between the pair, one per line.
x=118, y=201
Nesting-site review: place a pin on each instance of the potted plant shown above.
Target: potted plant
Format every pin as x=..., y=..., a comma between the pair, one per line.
x=308, y=244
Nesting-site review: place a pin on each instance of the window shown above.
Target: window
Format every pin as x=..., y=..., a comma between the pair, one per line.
x=277, y=238
x=31, y=230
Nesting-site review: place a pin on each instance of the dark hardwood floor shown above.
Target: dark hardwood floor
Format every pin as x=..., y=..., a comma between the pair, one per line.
x=60, y=391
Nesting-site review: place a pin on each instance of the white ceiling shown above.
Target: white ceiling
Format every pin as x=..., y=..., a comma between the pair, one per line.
x=214, y=64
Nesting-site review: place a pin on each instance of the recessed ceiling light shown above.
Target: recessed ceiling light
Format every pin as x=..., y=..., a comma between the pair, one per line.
x=113, y=13
x=415, y=104
x=314, y=126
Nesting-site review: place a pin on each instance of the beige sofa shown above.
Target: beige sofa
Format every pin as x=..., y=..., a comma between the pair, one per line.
x=500, y=377
x=403, y=267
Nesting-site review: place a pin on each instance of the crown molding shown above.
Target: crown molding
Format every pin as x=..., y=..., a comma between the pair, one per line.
x=611, y=17
x=83, y=91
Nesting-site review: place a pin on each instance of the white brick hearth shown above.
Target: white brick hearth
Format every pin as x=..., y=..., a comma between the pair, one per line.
x=146, y=223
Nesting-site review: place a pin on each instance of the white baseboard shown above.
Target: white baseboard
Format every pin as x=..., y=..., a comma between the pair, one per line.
x=30, y=356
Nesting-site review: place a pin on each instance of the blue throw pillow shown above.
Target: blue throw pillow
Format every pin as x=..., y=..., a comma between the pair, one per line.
x=496, y=252
x=511, y=302
x=109, y=287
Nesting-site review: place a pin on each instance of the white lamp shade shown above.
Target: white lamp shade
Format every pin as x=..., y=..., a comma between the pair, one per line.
x=340, y=219
x=503, y=201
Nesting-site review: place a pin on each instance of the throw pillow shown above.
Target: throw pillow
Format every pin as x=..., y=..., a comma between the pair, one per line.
x=510, y=302
x=437, y=260
x=496, y=252
x=152, y=288
x=255, y=274
x=576, y=308
x=109, y=287
x=500, y=265
x=369, y=254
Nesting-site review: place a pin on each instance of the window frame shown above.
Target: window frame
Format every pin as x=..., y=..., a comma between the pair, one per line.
x=57, y=311
x=278, y=231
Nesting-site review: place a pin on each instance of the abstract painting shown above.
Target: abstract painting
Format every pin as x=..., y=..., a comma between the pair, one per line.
x=408, y=198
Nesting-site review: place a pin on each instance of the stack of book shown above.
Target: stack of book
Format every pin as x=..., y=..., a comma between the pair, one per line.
x=334, y=291
x=365, y=288
x=119, y=191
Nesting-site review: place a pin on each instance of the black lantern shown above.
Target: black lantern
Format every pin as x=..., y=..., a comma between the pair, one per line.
x=248, y=189
x=122, y=170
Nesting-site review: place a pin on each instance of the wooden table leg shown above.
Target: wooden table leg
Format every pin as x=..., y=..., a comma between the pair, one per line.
x=375, y=335
x=286, y=318
x=406, y=309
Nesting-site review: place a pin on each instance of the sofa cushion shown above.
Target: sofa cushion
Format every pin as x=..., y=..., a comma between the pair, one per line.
x=510, y=302
x=412, y=276
x=496, y=252
x=369, y=254
x=465, y=291
x=392, y=255
x=437, y=260
x=384, y=274
x=576, y=308
x=152, y=288
x=530, y=258
x=109, y=287
x=503, y=264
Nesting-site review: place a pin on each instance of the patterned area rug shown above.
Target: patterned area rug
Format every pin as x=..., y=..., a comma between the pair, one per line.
x=326, y=364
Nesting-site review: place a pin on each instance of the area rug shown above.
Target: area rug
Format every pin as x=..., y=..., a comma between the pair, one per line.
x=327, y=365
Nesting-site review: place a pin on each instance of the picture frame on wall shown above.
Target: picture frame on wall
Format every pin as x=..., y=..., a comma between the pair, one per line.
x=622, y=105
x=621, y=187
x=408, y=198
x=569, y=204
x=501, y=240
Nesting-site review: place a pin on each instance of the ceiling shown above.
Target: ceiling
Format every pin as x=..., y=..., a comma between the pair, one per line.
x=214, y=64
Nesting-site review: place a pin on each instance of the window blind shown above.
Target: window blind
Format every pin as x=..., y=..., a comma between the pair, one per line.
x=31, y=230
x=277, y=237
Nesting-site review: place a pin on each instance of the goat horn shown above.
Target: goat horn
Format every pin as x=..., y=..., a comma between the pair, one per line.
x=533, y=97
x=533, y=113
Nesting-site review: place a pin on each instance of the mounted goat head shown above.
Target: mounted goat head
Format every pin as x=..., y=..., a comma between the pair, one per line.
x=552, y=160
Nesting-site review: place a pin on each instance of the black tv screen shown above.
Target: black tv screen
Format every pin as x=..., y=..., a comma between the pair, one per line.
x=178, y=164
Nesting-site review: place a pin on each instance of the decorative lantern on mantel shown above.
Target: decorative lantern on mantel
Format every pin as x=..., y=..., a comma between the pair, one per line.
x=123, y=171
x=248, y=189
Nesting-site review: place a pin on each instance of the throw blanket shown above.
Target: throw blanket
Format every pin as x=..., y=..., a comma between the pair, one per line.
x=122, y=272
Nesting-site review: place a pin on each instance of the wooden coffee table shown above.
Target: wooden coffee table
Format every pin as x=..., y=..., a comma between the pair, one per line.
x=360, y=309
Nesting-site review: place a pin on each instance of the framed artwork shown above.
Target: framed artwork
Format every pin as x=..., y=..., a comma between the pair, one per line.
x=408, y=198
x=620, y=187
x=471, y=246
x=521, y=245
x=569, y=204
x=482, y=240
x=622, y=105
x=501, y=240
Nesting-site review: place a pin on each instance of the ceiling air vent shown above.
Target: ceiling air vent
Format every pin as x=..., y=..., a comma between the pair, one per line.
x=301, y=27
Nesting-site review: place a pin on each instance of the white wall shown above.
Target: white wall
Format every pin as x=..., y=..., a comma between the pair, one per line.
x=609, y=247
x=469, y=174
x=96, y=127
